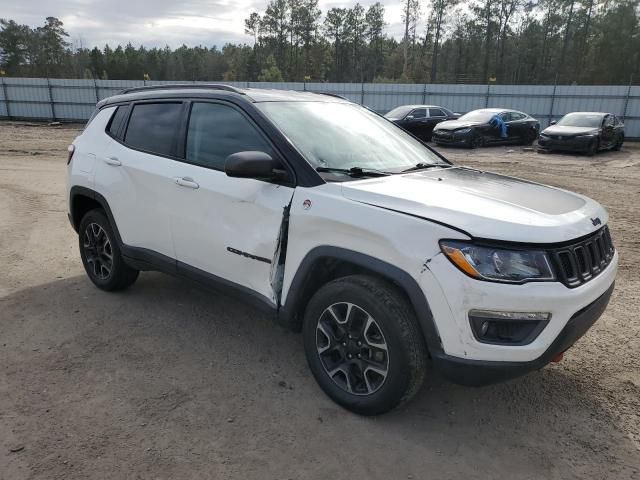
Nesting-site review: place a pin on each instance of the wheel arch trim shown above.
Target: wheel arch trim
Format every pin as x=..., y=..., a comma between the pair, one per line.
x=78, y=191
x=401, y=278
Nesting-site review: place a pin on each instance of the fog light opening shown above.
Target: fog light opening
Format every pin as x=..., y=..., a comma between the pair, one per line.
x=507, y=328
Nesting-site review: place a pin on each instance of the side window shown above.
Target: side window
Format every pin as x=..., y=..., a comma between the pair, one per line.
x=516, y=116
x=419, y=113
x=608, y=121
x=117, y=121
x=506, y=116
x=436, y=112
x=216, y=131
x=153, y=127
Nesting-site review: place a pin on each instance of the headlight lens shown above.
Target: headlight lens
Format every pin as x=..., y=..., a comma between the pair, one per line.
x=498, y=264
x=463, y=130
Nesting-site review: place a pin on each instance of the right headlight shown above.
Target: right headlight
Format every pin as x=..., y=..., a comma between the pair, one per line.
x=498, y=264
x=463, y=130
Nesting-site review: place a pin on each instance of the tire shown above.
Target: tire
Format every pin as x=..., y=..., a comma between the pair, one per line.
x=477, y=142
x=593, y=148
x=101, y=255
x=619, y=142
x=529, y=138
x=393, y=352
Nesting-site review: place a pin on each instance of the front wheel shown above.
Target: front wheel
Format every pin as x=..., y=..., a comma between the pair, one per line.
x=593, y=148
x=101, y=255
x=363, y=344
x=618, y=145
x=477, y=142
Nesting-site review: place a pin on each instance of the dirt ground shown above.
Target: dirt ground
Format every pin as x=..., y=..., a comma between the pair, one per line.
x=168, y=381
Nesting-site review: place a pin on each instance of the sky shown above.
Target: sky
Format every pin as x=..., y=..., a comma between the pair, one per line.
x=156, y=23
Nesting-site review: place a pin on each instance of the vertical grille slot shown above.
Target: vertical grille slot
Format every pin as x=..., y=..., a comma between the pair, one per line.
x=583, y=260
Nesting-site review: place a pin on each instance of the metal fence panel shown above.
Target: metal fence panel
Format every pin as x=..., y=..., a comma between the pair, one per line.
x=74, y=99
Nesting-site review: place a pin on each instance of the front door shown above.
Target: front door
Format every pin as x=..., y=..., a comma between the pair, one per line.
x=608, y=131
x=227, y=227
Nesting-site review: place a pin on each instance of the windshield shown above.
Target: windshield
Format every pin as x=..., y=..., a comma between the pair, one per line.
x=580, y=120
x=345, y=135
x=398, y=112
x=482, y=116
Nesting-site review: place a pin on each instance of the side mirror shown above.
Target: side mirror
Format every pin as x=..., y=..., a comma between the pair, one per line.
x=253, y=164
x=553, y=122
x=409, y=117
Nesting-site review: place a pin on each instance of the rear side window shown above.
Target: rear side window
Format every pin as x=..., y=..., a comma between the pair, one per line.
x=436, y=112
x=216, y=131
x=153, y=127
x=117, y=121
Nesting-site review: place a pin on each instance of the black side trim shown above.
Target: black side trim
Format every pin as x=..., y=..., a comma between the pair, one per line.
x=400, y=277
x=144, y=259
x=479, y=372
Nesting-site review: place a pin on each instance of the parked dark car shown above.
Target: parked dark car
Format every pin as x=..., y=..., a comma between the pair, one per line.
x=420, y=119
x=478, y=128
x=585, y=132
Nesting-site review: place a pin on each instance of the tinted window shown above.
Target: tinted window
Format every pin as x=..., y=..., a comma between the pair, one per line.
x=117, y=120
x=154, y=126
x=517, y=116
x=436, y=112
x=398, y=112
x=419, y=113
x=581, y=120
x=216, y=131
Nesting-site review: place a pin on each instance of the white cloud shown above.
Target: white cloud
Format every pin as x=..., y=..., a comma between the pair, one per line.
x=161, y=22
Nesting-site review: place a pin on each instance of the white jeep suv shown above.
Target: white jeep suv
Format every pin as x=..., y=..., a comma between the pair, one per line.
x=341, y=225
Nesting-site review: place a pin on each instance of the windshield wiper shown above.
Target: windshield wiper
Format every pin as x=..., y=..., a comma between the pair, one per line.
x=421, y=166
x=355, y=171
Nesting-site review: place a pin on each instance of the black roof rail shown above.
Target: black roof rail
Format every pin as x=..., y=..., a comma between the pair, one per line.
x=331, y=95
x=213, y=86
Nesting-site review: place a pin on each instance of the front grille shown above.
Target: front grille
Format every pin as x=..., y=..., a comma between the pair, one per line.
x=581, y=261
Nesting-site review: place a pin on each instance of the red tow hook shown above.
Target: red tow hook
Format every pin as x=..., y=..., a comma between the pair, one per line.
x=558, y=357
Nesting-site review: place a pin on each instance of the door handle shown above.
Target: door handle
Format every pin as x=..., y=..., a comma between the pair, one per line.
x=113, y=161
x=187, y=182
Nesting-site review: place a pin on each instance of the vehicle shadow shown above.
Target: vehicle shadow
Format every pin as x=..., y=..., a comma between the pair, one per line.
x=167, y=379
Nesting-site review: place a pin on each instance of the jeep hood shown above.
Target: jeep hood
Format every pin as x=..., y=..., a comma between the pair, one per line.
x=484, y=205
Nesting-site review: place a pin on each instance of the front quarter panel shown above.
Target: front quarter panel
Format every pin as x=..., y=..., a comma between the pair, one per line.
x=321, y=216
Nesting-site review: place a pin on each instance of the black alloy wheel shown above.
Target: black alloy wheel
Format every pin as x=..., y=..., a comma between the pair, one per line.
x=363, y=344
x=101, y=255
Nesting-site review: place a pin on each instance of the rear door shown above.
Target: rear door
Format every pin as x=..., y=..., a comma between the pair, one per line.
x=136, y=172
x=223, y=226
x=516, y=125
x=436, y=115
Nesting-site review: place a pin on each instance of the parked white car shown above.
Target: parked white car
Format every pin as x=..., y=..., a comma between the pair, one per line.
x=342, y=225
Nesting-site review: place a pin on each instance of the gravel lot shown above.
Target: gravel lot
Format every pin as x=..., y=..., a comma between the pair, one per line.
x=169, y=381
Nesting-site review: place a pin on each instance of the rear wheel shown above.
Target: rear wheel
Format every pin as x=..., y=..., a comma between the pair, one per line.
x=101, y=255
x=529, y=137
x=363, y=344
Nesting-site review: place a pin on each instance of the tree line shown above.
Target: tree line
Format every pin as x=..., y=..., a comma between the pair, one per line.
x=443, y=41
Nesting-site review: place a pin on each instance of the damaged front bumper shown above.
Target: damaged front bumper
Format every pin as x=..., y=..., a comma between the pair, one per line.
x=479, y=372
